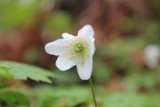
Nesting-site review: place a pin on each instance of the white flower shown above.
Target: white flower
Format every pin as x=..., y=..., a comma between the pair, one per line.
x=75, y=51
x=152, y=56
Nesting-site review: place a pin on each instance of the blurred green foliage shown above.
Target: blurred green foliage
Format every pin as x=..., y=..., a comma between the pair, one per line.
x=58, y=22
x=13, y=99
x=14, y=14
x=74, y=96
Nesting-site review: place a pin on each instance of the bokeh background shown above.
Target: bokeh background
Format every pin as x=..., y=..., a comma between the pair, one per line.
x=126, y=64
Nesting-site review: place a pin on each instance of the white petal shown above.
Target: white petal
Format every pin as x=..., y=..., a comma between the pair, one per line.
x=92, y=48
x=56, y=47
x=86, y=32
x=64, y=63
x=85, y=70
x=68, y=36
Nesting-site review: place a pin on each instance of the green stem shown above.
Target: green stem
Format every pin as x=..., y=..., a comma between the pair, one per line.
x=94, y=98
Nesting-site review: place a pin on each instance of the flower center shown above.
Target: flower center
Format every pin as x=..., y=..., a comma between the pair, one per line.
x=79, y=48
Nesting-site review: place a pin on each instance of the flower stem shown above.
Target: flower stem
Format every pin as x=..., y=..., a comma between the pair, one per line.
x=94, y=98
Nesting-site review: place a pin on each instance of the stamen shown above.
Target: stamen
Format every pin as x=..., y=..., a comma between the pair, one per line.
x=79, y=48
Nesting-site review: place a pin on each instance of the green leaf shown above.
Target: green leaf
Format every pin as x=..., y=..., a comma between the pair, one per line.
x=13, y=99
x=23, y=71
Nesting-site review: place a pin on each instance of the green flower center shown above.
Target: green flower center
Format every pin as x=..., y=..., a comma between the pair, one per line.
x=79, y=48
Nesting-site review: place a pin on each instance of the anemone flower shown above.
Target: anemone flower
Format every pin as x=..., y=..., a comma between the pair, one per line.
x=74, y=51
